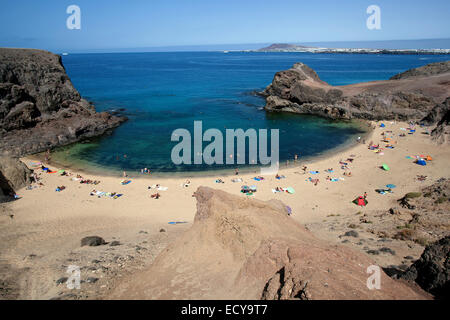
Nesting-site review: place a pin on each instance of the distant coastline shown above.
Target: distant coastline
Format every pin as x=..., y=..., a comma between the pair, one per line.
x=285, y=47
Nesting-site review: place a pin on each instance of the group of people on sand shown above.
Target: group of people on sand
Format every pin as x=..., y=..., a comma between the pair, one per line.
x=145, y=171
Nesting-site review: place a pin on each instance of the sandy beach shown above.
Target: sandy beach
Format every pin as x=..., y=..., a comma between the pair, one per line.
x=41, y=232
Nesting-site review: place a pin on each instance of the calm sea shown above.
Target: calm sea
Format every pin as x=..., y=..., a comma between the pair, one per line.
x=161, y=92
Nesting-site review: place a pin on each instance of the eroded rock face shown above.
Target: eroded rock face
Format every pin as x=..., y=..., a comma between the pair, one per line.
x=441, y=114
x=13, y=176
x=432, y=270
x=300, y=90
x=241, y=248
x=40, y=108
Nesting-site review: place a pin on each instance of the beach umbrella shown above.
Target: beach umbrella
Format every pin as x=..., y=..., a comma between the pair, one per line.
x=386, y=167
x=391, y=186
x=382, y=125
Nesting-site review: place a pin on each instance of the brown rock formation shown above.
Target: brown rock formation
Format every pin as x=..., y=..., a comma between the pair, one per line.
x=241, y=248
x=39, y=107
x=300, y=90
x=13, y=175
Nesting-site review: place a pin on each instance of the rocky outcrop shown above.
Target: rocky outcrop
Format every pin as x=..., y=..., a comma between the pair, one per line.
x=240, y=248
x=428, y=70
x=13, y=176
x=300, y=90
x=40, y=108
x=440, y=115
x=432, y=270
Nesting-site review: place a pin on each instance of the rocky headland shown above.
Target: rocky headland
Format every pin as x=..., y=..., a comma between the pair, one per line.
x=39, y=107
x=412, y=95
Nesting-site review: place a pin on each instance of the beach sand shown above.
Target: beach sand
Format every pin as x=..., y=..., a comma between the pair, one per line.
x=43, y=236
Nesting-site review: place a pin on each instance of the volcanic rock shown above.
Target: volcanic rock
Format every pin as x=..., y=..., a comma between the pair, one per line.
x=241, y=248
x=432, y=270
x=40, y=108
x=300, y=90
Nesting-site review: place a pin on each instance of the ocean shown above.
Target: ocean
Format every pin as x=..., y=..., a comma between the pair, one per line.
x=164, y=91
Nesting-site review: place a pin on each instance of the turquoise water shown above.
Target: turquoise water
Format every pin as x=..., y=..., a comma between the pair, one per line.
x=161, y=92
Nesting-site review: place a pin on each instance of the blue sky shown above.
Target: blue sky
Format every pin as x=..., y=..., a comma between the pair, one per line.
x=110, y=24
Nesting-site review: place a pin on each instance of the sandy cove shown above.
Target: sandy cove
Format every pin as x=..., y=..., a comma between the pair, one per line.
x=43, y=236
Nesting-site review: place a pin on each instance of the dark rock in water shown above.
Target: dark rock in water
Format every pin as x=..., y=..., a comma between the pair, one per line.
x=432, y=270
x=300, y=90
x=40, y=108
x=115, y=243
x=13, y=175
x=92, y=241
x=351, y=233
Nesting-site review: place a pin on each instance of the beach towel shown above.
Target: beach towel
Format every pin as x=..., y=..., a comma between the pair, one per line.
x=421, y=162
x=289, y=210
x=386, y=167
x=125, y=182
x=391, y=186
x=290, y=190
x=314, y=172
x=160, y=188
x=177, y=222
x=236, y=180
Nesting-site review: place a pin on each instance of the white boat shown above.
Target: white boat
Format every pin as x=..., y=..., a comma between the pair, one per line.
x=65, y=54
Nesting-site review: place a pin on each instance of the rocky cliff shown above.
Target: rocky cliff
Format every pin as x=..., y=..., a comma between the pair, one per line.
x=411, y=96
x=40, y=108
x=13, y=176
x=241, y=248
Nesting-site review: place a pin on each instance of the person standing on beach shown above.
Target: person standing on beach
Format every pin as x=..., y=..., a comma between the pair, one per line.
x=295, y=158
x=236, y=171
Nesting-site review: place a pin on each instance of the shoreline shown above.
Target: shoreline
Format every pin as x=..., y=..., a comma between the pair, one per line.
x=364, y=125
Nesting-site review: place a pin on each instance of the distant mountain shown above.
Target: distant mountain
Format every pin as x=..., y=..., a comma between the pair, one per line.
x=283, y=47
